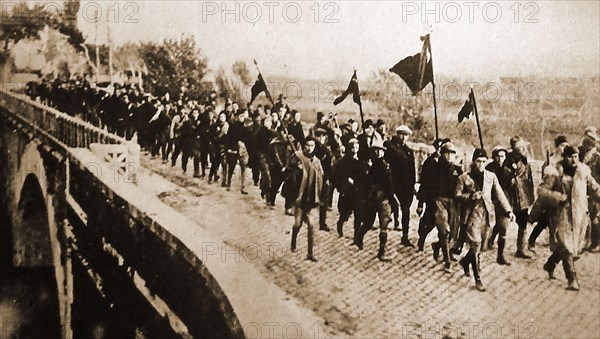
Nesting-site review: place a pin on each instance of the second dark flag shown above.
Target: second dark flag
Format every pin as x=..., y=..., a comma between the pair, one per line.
x=467, y=110
x=259, y=87
x=352, y=89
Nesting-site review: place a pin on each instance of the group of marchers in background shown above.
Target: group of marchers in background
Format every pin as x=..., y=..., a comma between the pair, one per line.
x=373, y=171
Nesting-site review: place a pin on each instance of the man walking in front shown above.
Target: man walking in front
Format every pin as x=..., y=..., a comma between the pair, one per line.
x=402, y=161
x=378, y=199
x=309, y=194
x=477, y=189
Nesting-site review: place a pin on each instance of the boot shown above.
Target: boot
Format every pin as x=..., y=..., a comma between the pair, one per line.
x=573, y=283
x=464, y=262
x=295, y=232
x=340, y=229
x=323, y=219
x=445, y=252
x=406, y=242
x=521, y=245
x=421, y=244
x=492, y=239
x=500, y=259
x=479, y=285
x=382, y=242
x=569, y=268
x=475, y=264
x=447, y=267
x=436, y=250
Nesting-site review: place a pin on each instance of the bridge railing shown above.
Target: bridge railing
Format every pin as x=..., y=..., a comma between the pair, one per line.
x=76, y=133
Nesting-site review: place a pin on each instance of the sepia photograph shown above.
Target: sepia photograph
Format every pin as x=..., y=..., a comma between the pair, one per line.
x=299, y=169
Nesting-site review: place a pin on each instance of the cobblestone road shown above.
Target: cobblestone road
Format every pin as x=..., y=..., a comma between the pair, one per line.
x=411, y=297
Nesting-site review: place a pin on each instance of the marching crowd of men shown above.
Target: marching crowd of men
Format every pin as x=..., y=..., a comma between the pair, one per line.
x=374, y=174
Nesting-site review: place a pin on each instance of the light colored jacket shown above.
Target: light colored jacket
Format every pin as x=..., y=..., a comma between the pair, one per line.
x=491, y=186
x=569, y=219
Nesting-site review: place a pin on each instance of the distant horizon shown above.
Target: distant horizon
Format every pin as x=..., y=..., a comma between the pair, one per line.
x=543, y=38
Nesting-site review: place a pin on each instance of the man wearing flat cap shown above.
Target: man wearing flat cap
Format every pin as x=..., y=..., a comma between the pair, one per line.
x=379, y=183
x=447, y=215
x=565, y=190
x=477, y=189
x=402, y=161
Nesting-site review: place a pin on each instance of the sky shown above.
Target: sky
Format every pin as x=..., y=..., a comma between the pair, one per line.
x=328, y=39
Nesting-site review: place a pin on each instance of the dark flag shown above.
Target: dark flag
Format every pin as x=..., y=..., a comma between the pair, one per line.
x=415, y=70
x=352, y=89
x=467, y=109
x=259, y=87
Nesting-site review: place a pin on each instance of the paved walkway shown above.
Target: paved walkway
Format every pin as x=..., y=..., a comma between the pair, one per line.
x=411, y=297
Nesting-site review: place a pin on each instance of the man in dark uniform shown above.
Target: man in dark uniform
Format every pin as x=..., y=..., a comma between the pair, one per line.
x=378, y=199
x=279, y=154
x=402, y=161
x=504, y=176
x=447, y=215
x=426, y=193
x=348, y=174
x=366, y=139
x=264, y=136
x=236, y=150
x=295, y=128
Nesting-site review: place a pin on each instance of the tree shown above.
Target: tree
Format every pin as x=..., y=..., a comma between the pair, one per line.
x=174, y=66
x=240, y=68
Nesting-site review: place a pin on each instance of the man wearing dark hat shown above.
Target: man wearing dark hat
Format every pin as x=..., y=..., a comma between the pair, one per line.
x=295, y=128
x=504, y=176
x=565, y=190
x=447, y=215
x=426, y=193
x=366, y=140
x=477, y=190
x=402, y=161
x=542, y=217
x=348, y=175
x=349, y=132
x=379, y=184
x=522, y=196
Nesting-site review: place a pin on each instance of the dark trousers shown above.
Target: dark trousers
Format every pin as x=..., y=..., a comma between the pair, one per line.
x=522, y=217
x=176, y=151
x=405, y=201
x=568, y=264
x=542, y=224
x=427, y=222
x=215, y=162
x=265, y=176
x=277, y=178
x=204, y=160
x=349, y=204
x=324, y=206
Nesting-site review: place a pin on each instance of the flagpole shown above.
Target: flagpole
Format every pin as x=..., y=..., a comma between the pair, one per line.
x=477, y=118
x=362, y=117
x=435, y=115
x=258, y=69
